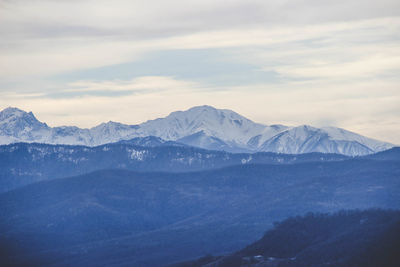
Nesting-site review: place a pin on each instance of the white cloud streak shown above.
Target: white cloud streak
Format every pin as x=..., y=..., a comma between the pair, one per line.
x=143, y=85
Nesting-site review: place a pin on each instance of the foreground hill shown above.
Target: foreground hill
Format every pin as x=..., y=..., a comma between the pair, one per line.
x=347, y=238
x=203, y=126
x=151, y=219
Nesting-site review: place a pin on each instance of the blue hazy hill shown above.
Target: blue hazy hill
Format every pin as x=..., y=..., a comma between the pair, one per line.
x=24, y=163
x=151, y=219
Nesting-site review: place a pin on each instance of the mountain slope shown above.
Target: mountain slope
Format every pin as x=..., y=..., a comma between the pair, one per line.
x=347, y=238
x=202, y=126
x=152, y=219
x=201, y=139
x=149, y=141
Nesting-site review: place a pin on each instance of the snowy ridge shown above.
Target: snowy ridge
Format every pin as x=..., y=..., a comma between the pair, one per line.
x=223, y=124
x=303, y=139
x=202, y=126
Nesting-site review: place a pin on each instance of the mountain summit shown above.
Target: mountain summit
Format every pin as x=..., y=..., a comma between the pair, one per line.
x=204, y=122
x=202, y=126
x=17, y=125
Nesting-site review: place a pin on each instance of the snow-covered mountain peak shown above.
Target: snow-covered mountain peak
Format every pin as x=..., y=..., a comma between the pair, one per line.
x=14, y=121
x=201, y=126
x=305, y=138
x=206, y=116
x=224, y=124
x=12, y=113
x=17, y=125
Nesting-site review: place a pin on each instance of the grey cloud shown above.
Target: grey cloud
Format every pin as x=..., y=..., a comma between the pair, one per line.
x=139, y=19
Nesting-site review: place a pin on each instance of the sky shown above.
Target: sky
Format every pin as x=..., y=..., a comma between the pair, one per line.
x=315, y=62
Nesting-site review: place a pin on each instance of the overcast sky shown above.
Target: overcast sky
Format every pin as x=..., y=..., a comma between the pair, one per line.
x=292, y=62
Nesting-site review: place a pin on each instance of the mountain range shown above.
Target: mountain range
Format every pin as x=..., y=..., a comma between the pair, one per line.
x=203, y=126
x=26, y=163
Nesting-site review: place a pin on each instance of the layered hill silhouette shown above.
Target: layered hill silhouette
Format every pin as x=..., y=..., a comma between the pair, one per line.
x=152, y=219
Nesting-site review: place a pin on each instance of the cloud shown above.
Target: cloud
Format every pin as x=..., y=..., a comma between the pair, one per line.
x=342, y=46
x=39, y=39
x=174, y=16
x=141, y=85
x=293, y=62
